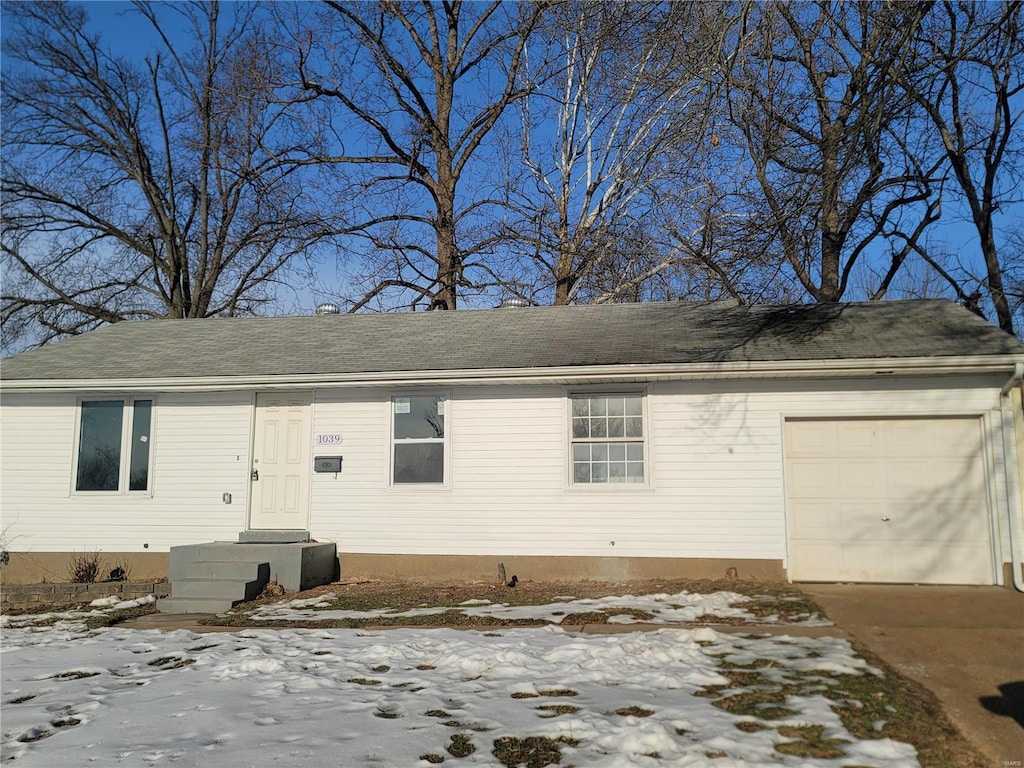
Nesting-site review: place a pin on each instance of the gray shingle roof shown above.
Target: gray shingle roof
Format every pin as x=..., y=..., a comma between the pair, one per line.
x=535, y=337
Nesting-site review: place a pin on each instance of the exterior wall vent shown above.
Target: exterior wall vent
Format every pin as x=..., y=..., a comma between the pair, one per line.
x=327, y=309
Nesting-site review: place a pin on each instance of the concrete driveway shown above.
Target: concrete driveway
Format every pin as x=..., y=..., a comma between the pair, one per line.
x=965, y=644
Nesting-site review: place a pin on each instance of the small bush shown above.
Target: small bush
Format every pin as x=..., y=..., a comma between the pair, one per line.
x=121, y=571
x=272, y=589
x=85, y=568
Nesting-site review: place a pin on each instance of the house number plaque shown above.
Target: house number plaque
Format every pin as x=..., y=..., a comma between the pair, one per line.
x=327, y=438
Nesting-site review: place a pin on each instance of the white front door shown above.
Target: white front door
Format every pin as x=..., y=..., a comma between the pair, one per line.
x=282, y=461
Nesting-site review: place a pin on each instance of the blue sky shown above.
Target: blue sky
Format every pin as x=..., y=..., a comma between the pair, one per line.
x=127, y=34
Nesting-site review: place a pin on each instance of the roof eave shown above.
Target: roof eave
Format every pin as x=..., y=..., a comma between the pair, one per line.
x=842, y=368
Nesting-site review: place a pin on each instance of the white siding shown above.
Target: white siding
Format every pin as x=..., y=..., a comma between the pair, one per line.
x=716, y=469
x=200, y=444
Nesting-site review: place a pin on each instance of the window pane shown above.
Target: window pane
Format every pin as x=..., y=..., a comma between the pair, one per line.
x=99, y=445
x=599, y=451
x=600, y=473
x=635, y=451
x=418, y=417
x=617, y=472
x=419, y=462
x=615, y=427
x=581, y=452
x=581, y=428
x=598, y=406
x=634, y=406
x=634, y=472
x=581, y=472
x=617, y=451
x=634, y=426
x=615, y=406
x=580, y=406
x=138, y=477
x=598, y=428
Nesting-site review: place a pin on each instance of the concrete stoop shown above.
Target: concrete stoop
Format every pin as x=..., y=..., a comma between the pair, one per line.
x=213, y=577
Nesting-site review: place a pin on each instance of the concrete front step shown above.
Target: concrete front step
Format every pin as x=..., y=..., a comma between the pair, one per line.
x=231, y=570
x=193, y=605
x=294, y=566
x=221, y=589
x=211, y=578
x=273, y=537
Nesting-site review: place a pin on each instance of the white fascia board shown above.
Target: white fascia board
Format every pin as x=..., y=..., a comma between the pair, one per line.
x=911, y=366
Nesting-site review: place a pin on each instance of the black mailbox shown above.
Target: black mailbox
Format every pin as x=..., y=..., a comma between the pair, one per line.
x=327, y=464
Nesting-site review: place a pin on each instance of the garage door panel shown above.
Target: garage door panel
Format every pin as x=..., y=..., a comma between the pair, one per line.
x=923, y=565
x=862, y=521
x=823, y=561
x=938, y=478
x=857, y=439
x=889, y=500
x=937, y=523
x=819, y=520
x=859, y=477
x=952, y=438
x=809, y=439
x=815, y=519
x=909, y=438
x=813, y=479
x=868, y=561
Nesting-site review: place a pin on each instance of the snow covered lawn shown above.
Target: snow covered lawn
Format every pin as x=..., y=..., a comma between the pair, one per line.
x=530, y=605
x=415, y=697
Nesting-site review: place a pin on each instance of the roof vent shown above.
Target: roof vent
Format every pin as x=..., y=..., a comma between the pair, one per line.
x=513, y=302
x=327, y=309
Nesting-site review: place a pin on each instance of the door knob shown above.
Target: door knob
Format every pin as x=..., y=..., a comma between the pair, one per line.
x=885, y=519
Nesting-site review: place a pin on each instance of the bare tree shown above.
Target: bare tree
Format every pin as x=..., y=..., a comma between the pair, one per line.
x=622, y=115
x=416, y=88
x=137, y=190
x=966, y=77
x=1011, y=258
x=828, y=134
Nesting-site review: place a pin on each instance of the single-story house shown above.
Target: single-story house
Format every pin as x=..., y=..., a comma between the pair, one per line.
x=860, y=442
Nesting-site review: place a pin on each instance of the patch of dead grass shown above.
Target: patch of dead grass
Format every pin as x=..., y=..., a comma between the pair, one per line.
x=809, y=741
x=76, y=674
x=532, y=752
x=548, y=692
x=461, y=745
x=634, y=711
x=870, y=706
x=554, y=710
x=779, y=600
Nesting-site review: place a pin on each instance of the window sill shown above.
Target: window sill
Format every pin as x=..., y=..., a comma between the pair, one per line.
x=111, y=495
x=642, y=488
x=418, y=487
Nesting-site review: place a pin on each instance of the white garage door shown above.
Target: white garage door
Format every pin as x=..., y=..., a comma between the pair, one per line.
x=888, y=500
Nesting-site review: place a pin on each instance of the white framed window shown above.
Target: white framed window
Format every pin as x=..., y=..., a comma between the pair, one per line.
x=112, y=452
x=607, y=438
x=418, y=447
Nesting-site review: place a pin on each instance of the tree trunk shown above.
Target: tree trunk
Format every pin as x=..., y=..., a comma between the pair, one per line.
x=449, y=262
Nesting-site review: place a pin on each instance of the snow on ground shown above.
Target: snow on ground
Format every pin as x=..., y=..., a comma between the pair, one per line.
x=680, y=608
x=74, y=619
x=336, y=697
